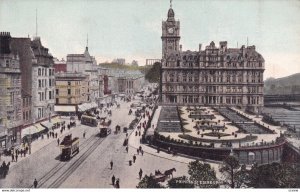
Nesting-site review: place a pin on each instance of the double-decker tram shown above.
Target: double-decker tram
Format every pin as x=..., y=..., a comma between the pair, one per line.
x=89, y=120
x=69, y=147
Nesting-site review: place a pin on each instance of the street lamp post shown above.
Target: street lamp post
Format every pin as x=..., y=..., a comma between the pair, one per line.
x=29, y=142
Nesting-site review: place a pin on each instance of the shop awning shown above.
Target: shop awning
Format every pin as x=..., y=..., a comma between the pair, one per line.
x=39, y=127
x=47, y=124
x=87, y=106
x=29, y=131
x=64, y=108
x=94, y=105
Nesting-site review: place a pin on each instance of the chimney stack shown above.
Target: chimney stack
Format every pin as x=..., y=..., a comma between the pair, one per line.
x=180, y=47
x=200, y=45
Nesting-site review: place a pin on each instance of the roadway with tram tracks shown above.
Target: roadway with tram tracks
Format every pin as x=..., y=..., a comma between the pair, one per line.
x=90, y=167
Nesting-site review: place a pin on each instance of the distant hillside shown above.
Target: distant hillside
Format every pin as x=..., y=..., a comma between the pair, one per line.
x=118, y=66
x=284, y=85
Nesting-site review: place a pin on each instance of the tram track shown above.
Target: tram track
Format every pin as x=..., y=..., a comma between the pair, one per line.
x=59, y=180
x=51, y=173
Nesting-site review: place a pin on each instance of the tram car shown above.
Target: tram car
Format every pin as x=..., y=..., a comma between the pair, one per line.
x=69, y=147
x=104, y=131
x=89, y=120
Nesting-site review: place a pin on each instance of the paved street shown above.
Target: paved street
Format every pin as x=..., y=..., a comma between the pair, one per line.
x=90, y=168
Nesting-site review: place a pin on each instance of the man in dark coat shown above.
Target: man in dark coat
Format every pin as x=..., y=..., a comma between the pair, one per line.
x=140, y=173
x=111, y=164
x=113, y=179
x=134, y=158
x=35, y=183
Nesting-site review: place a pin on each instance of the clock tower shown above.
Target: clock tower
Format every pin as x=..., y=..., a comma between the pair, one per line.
x=170, y=34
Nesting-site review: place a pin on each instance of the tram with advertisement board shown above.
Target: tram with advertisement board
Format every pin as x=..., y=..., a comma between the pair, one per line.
x=69, y=147
x=89, y=120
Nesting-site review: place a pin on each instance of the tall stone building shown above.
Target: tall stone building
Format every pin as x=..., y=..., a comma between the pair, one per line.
x=10, y=94
x=43, y=81
x=214, y=76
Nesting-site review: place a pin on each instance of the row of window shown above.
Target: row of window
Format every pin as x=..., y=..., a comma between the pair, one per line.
x=43, y=95
x=76, y=83
x=45, y=72
x=210, y=99
x=10, y=63
x=217, y=72
x=27, y=115
x=209, y=64
x=211, y=89
x=43, y=83
x=26, y=101
x=44, y=112
x=229, y=79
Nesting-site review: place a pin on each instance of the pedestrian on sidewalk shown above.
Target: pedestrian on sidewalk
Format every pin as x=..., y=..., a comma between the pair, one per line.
x=136, y=133
x=139, y=133
x=16, y=157
x=47, y=135
x=140, y=148
x=111, y=164
x=118, y=183
x=138, y=151
x=21, y=152
x=84, y=134
x=127, y=149
x=35, y=183
x=134, y=158
x=58, y=141
x=140, y=173
x=55, y=135
x=12, y=157
x=142, y=152
x=113, y=179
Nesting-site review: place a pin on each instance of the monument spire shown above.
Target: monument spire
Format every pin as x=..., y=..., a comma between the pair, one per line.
x=170, y=3
x=87, y=41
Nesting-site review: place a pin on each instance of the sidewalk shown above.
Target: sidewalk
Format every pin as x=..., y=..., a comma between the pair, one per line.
x=39, y=144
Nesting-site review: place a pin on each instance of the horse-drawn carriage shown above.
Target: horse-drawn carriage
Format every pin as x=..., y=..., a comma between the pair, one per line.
x=161, y=177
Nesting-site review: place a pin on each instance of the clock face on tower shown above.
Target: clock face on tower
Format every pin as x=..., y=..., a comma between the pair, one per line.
x=170, y=30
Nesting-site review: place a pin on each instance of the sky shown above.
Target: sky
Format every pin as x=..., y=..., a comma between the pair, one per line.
x=131, y=29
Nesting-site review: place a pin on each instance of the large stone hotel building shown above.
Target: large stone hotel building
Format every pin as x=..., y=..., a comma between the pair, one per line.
x=214, y=76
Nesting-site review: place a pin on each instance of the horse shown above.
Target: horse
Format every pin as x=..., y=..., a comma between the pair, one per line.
x=169, y=172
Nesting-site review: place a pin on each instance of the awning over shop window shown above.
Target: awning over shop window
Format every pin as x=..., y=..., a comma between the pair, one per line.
x=29, y=131
x=39, y=127
x=47, y=124
x=64, y=108
x=87, y=106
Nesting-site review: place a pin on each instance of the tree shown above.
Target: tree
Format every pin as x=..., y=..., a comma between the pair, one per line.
x=153, y=74
x=180, y=182
x=230, y=168
x=275, y=175
x=202, y=175
x=149, y=182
